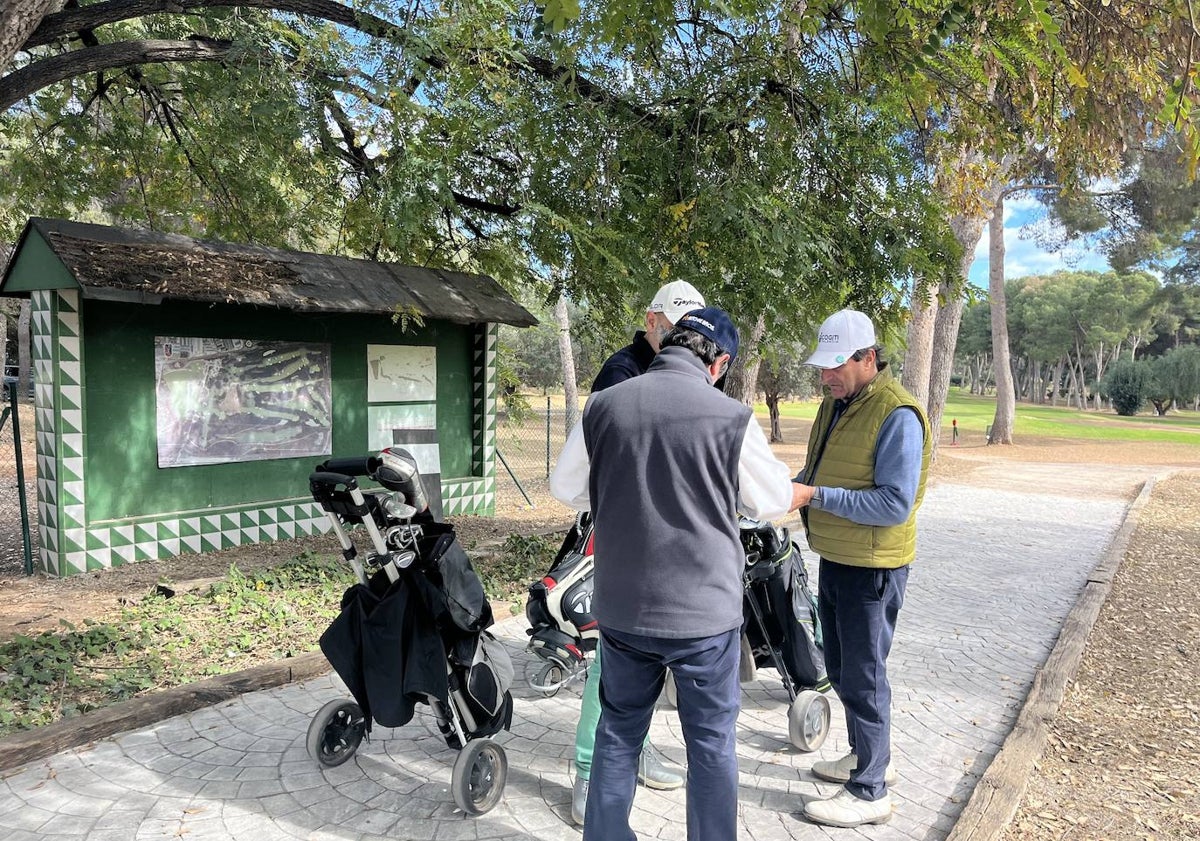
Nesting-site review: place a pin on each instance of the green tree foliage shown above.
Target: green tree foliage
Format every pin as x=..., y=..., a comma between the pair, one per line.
x=1150, y=218
x=1175, y=379
x=615, y=145
x=973, y=351
x=1127, y=384
x=533, y=356
x=1069, y=328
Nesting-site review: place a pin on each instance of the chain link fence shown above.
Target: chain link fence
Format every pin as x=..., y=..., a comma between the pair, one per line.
x=527, y=444
x=18, y=478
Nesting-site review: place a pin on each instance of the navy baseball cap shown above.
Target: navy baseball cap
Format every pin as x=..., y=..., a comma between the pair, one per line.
x=715, y=324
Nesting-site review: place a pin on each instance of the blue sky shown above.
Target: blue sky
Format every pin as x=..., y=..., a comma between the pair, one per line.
x=1025, y=257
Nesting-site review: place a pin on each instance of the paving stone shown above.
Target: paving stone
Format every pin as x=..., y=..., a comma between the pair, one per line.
x=973, y=632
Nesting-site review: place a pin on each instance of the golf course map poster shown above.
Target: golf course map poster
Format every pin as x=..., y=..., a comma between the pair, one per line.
x=230, y=400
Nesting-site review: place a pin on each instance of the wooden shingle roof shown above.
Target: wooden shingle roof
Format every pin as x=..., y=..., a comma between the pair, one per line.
x=142, y=266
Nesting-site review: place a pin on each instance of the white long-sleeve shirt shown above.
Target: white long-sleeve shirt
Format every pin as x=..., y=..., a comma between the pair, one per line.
x=764, y=482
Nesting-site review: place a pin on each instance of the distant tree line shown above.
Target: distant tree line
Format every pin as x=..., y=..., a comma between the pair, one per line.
x=1084, y=338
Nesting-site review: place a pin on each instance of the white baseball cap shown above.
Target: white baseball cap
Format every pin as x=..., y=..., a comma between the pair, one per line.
x=843, y=333
x=675, y=299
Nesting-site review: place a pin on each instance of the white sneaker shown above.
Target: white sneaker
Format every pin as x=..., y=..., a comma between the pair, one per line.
x=846, y=810
x=579, y=793
x=839, y=770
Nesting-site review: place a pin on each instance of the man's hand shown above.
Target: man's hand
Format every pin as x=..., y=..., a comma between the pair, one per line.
x=801, y=495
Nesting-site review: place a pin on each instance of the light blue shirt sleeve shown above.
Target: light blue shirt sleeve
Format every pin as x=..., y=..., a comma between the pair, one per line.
x=898, y=453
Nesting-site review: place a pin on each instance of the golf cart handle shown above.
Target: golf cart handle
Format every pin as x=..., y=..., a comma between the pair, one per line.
x=331, y=479
x=356, y=466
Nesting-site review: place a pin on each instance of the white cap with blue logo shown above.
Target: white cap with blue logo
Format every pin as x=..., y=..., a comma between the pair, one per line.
x=843, y=333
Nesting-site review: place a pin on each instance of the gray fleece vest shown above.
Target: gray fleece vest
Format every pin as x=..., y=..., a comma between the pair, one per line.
x=664, y=451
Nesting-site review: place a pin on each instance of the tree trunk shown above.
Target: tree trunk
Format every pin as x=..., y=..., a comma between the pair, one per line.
x=742, y=379
x=1006, y=396
x=18, y=19
x=1098, y=356
x=917, y=358
x=567, y=355
x=24, y=361
x=773, y=408
x=1081, y=383
x=46, y=71
x=967, y=230
x=1056, y=385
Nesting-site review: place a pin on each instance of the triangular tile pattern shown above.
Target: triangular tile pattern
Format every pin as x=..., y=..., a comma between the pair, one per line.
x=41, y=328
x=489, y=403
x=114, y=544
x=468, y=496
x=68, y=350
x=478, y=388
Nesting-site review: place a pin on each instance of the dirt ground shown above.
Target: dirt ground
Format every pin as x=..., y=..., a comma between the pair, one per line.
x=1123, y=759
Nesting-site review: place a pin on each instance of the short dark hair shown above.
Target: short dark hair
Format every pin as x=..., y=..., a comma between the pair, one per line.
x=702, y=346
x=880, y=362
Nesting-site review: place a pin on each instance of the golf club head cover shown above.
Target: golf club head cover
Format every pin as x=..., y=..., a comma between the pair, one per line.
x=397, y=471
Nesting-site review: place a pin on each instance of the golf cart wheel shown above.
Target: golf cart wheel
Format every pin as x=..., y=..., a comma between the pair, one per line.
x=808, y=720
x=335, y=733
x=669, y=692
x=479, y=775
x=549, y=679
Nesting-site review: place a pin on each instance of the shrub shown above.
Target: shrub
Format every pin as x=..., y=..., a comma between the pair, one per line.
x=1127, y=385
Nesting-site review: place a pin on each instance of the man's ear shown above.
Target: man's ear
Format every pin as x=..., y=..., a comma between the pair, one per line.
x=719, y=366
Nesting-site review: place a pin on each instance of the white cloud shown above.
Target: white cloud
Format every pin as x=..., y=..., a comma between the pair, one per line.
x=1023, y=256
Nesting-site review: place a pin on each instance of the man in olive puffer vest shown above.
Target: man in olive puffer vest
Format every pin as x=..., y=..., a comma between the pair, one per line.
x=863, y=480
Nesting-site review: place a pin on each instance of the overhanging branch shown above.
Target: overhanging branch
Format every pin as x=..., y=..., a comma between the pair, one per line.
x=29, y=79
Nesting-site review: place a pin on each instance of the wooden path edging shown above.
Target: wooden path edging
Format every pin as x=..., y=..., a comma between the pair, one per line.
x=997, y=795
x=24, y=747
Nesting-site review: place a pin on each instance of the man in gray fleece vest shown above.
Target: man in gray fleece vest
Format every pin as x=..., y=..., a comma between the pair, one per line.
x=666, y=462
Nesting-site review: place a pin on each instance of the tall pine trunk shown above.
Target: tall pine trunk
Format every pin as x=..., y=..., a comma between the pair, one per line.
x=1006, y=397
x=968, y=230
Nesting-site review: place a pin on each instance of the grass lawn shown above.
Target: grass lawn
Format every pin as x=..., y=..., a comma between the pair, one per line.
x=976, y=413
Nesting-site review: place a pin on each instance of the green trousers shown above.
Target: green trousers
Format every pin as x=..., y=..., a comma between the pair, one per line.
x=589, y=717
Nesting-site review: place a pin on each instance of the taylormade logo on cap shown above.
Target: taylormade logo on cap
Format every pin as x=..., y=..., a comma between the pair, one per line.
x=676, y=298
x=840, y=337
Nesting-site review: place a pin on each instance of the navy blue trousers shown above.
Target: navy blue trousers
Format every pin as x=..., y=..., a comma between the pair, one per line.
x=708, y=697
x=858, y=608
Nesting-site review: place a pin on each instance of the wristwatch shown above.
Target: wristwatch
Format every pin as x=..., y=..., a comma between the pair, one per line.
x=815, y=502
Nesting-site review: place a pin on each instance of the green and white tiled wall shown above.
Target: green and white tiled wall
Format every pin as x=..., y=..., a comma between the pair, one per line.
x=70, y=545
x=477, y=495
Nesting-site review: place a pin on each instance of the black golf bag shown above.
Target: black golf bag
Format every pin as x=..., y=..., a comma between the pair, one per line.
x=412, y=630
x=780, y=611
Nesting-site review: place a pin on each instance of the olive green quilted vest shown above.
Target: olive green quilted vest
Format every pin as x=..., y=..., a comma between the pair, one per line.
x=848, y=462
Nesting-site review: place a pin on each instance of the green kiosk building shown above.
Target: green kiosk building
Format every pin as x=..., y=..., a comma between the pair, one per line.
x=185, y=389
